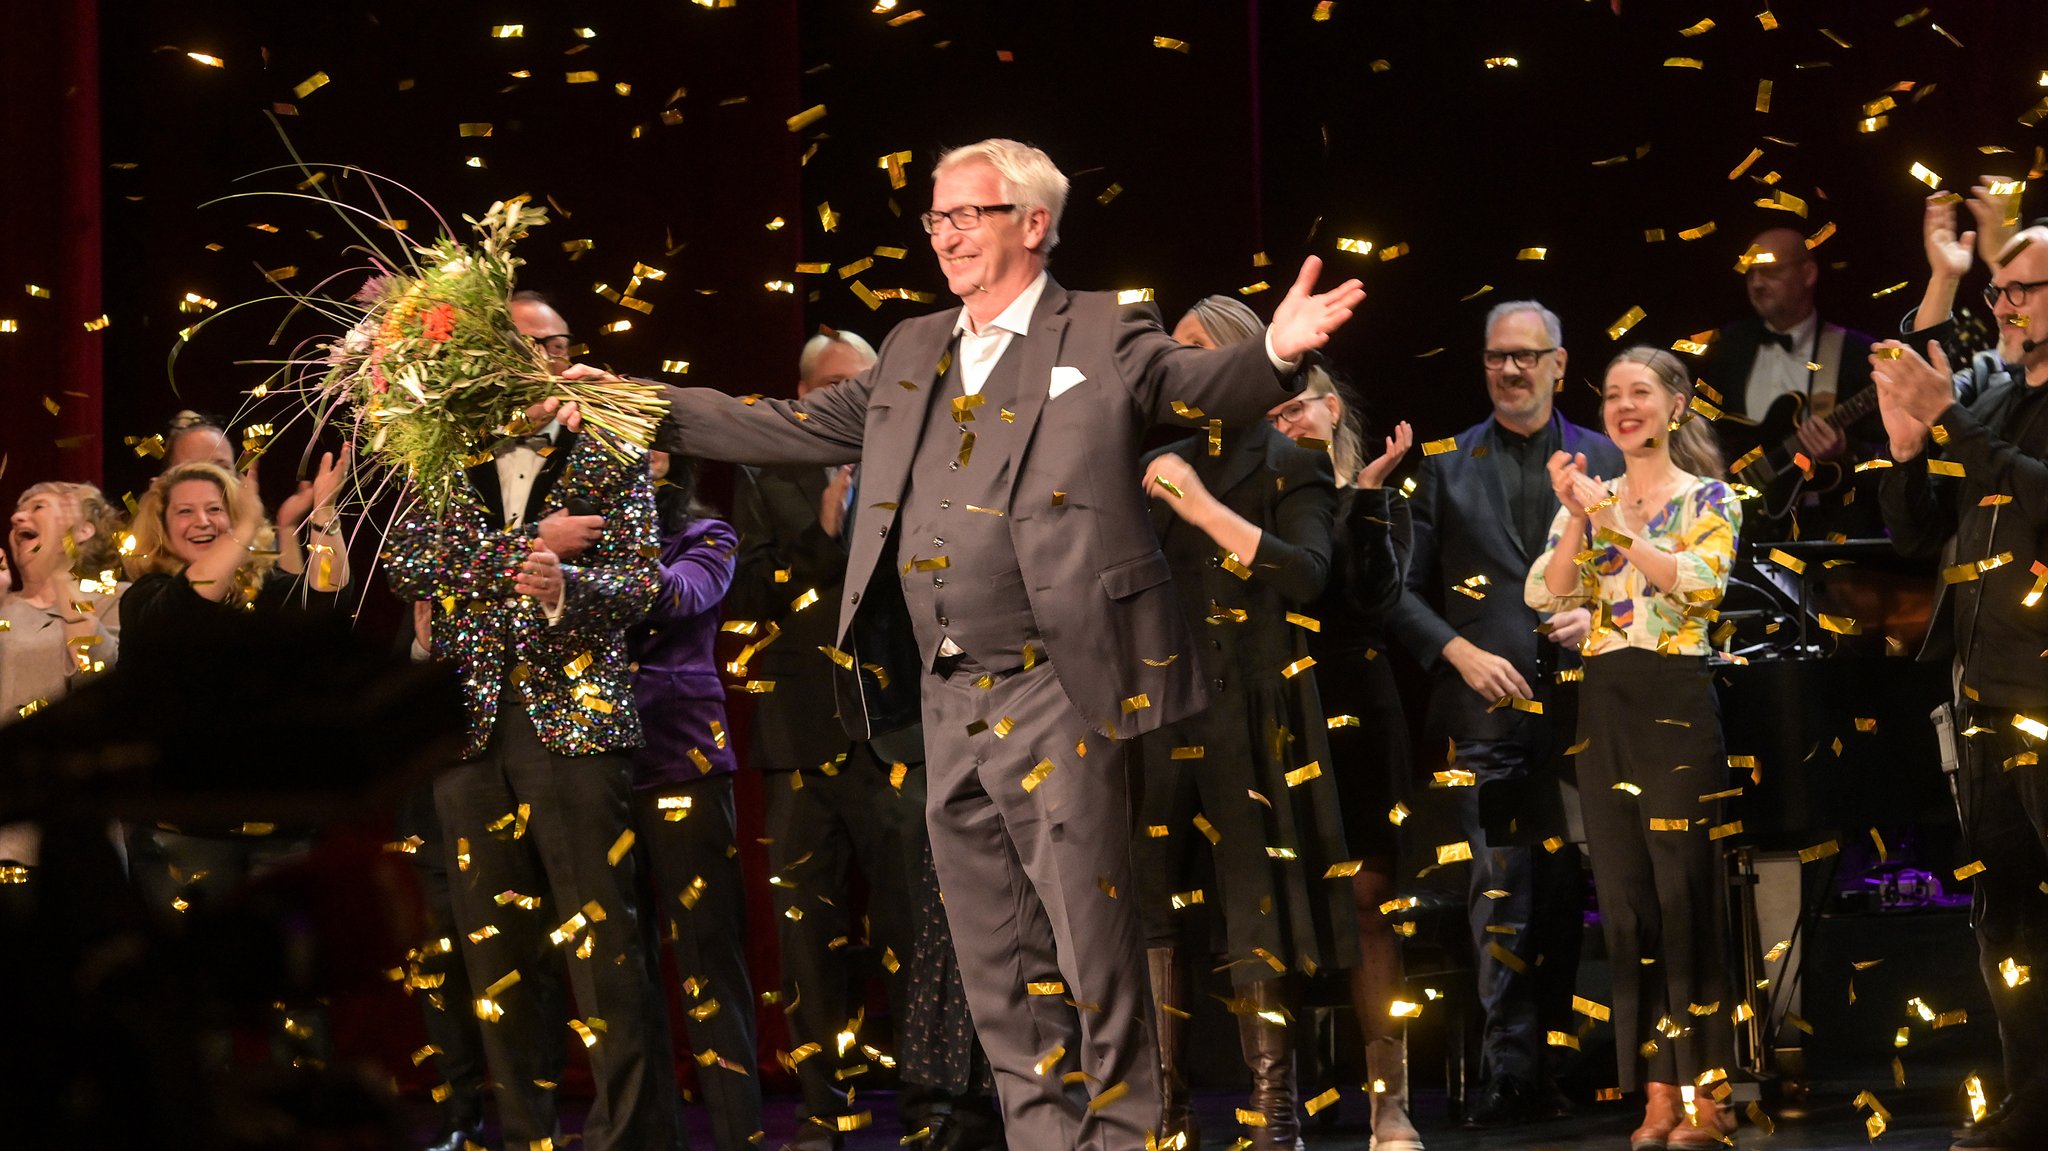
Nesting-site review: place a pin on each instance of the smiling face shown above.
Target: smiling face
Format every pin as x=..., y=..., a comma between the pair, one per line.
x=196, y=519
x=999, y=256
x=2028, y=320
x=1521, y=396
x=1638, y=409
x=36, y=531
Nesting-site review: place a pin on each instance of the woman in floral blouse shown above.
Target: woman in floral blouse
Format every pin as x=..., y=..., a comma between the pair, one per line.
x=1650, y=552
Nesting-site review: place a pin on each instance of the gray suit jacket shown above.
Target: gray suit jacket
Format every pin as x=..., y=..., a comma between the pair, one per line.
x=1098, y=583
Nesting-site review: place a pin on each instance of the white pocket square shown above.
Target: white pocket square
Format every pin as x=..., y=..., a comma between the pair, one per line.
x=1064, y=377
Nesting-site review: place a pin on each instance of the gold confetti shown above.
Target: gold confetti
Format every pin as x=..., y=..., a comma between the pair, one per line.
x=1670, y=824
x=1037, y=775
x=1880, y=294
x=1297, y=667
x=805, y=118
x=1532, y=254
x=1439, y=447
x=1171, y=44
x=1302, y=775
x=1502, y=62
x=1789, y=562
x=1683, y=62
x=1763, y=95
x=1134, y=296
x=1819, y=851
x=1626, y=786
x=1629, y=319
x=1458, y=852
x=310, y=85
x=1839, y=624
x=1926, y=175
x=1704, y=230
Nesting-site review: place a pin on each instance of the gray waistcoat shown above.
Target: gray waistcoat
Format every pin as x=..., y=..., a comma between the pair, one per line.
x=959, y=566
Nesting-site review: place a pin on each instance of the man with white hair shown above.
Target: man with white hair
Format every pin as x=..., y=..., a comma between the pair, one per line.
x=1000, y=502
x=1969, y=482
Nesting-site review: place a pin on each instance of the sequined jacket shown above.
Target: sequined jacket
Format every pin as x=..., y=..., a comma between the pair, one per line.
x=573, y=676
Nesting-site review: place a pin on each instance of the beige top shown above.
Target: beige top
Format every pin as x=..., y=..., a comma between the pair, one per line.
x=37, y=668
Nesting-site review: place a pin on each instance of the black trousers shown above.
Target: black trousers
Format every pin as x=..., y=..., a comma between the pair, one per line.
x=2005, y=817
x=691, y=835
x=1537, y=925
x=1652, y=722
x=820, y=828
x=519, y=876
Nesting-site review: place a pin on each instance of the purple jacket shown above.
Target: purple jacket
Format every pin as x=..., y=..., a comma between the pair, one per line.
x=676, y=687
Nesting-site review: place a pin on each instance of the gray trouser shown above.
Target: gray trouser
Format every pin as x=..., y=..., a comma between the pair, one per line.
x=1032, y=843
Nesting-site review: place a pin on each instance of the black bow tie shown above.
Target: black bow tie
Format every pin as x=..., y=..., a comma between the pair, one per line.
x=1782, y=339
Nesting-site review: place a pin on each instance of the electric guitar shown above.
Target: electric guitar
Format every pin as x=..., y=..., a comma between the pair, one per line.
x=1771, y=450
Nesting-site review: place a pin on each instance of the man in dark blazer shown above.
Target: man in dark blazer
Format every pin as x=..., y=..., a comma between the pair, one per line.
x=1000, y=498
x=1984, y=419
x=1482, y=513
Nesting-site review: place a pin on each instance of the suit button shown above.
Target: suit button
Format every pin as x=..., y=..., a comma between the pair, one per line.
x=1217, y=644
x=953, y=466
x=883, y=532
x=937, y=542
x=938, y=581
x=1217, y=684
x=944, y=622
x=944, y=504
x=854, y=598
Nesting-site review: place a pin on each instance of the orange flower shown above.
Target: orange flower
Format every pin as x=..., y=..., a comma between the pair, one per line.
x=439, y=324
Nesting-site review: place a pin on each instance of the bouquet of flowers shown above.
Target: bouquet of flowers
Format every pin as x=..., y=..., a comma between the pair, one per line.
x=433, y=375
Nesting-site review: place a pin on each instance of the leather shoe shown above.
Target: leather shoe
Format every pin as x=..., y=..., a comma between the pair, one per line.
x=458, y=1138
x=1507, y=1102
x=815, y=1136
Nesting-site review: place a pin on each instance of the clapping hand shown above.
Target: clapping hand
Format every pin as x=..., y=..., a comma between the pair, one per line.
x=1947, y=252
x=1375, y=473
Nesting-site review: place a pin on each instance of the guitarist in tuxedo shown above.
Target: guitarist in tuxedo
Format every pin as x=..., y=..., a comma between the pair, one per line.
x=1784, y=371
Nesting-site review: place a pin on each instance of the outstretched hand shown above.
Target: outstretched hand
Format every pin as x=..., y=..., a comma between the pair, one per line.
x=1305, y=318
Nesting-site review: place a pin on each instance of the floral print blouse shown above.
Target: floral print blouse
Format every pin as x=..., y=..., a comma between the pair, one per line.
x=1699, y=527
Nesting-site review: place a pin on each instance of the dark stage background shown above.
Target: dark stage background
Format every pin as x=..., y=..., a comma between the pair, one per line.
x=1212, y=144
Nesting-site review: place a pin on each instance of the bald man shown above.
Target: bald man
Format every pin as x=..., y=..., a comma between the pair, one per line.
x=1985, y=417
x=1786, y=349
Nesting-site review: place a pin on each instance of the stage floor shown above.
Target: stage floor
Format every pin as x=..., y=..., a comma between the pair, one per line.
x=1921, y=1118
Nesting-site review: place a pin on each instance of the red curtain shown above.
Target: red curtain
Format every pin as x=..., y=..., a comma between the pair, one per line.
x=49, y=127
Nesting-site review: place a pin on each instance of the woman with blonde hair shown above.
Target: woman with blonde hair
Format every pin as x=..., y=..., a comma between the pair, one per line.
x=1370, y=755
x=63, y=624
x=204, y=549
x=1649, y=553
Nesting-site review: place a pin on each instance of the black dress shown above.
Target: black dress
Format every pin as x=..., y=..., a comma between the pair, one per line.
x=1371, y=756
x=1252, y=775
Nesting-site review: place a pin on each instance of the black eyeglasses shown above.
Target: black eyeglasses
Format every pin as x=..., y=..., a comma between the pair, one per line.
x=964, y=218
x=2015, y=294
x=1524, y=358
x=555, y=347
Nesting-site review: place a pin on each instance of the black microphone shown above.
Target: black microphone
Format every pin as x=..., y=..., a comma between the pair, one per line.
x=578, y=506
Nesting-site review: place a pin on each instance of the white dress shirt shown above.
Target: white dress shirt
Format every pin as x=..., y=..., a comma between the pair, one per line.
x=518, y=467
x=1778, y=372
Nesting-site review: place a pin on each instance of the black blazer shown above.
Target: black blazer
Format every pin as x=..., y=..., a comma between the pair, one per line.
x=784, y=555
x=1462, y=529
x=1725, y=366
